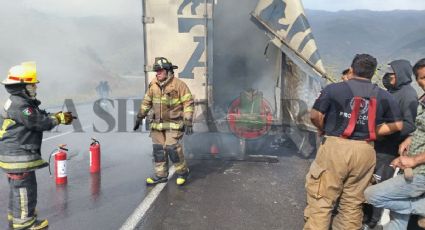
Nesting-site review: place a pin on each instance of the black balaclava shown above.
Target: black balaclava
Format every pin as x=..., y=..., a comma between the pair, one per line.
x=20, y=89
x=386, y=81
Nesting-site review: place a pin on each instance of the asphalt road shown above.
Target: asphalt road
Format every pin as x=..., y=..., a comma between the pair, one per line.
x=102, y=201
x=223, y=192
x=233, y=195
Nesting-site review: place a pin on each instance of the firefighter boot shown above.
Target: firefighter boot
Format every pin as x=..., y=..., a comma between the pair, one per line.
x=39, y=224
x=10, y=220
x=181, y=179
x=36, y=225
x=155, y=180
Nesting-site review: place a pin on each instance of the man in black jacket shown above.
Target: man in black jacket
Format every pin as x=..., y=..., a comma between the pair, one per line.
x=397, y=81
x=350, y=115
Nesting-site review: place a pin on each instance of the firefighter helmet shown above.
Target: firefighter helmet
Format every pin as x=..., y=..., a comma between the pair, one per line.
x=163, y=63
x=25, y=73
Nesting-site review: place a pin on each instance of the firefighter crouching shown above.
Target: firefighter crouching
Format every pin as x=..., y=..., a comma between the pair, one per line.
x=351, y=114
x=172, y=105
x=22, y=125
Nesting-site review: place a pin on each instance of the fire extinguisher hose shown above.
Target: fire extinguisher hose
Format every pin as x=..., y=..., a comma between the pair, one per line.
x=94, y=141
x=50, y=158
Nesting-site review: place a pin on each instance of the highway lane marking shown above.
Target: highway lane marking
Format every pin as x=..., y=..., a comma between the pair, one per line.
x=63, y=134
x=144, y=206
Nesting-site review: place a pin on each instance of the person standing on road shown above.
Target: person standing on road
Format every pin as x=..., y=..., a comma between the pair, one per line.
x=396, y=80
x=402, y=196
x=106, y=89
x=350, y=114
x=22, y=125
x=172, y=105
x=99, y=90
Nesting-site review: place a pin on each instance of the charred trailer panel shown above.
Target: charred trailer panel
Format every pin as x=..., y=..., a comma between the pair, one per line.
x=179, y=30
x=253, y=68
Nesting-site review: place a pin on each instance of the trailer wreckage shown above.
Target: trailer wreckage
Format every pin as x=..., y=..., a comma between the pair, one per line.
x=253, y=67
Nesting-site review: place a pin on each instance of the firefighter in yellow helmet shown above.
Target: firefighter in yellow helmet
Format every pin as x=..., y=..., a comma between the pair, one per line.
x=172, y=105
x=22, y=125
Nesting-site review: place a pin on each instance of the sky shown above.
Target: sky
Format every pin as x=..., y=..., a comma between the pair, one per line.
x=82, y=8
x=378, y=5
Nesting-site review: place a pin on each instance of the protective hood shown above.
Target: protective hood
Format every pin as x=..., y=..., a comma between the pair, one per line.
x=19, y=90
x=16, y=89
x=403, y=73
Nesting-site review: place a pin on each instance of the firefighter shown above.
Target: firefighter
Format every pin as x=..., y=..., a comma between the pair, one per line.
x=172, y=105
x=350, y=114
x=22, y=125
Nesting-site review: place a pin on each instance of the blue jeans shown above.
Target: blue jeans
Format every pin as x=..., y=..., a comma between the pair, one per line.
x=401, y=197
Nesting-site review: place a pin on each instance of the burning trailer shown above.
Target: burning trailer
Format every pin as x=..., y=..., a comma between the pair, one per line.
x=253, y=68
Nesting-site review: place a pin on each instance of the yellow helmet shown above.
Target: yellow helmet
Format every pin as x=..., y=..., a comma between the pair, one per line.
x=25, y=73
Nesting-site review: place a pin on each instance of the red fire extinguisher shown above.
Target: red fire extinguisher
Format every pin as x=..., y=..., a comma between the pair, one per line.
x=60, y=164
x=94, y=156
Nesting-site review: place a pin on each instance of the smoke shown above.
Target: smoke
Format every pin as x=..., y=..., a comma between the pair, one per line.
x=239, y=60
x=83, y=8
x=239, y=65
x=73, y=54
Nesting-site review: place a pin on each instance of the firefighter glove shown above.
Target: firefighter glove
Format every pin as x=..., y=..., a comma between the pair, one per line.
x=64, y=117
x=139, y=121
x=188, y=127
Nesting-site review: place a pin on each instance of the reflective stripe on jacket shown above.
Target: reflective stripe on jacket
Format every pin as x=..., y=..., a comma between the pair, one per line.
x=22, y=125
x=171, y=104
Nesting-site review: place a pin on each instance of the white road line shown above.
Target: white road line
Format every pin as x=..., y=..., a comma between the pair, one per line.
x=62, y=134
x=144, y=206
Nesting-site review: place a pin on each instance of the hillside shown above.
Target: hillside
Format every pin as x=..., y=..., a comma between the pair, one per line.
x=386, y=35
x=74, y=53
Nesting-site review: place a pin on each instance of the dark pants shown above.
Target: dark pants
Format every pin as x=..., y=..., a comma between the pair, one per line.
x=22, y=198
x=383, y=172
